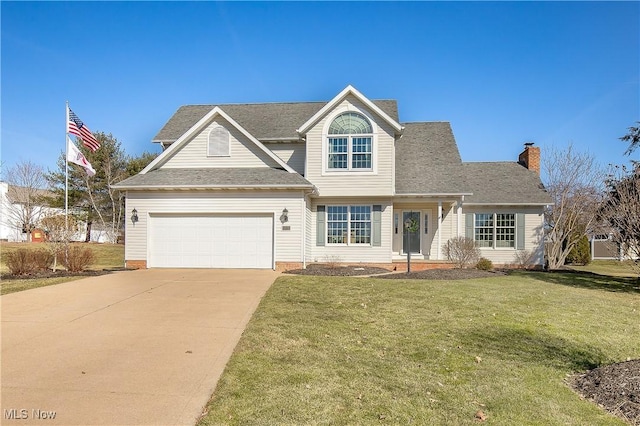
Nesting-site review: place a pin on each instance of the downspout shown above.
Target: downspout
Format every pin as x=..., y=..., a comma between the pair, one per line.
x=304, y=230
x=438, y=256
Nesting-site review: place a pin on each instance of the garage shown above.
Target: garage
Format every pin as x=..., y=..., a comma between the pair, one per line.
x=211, y=241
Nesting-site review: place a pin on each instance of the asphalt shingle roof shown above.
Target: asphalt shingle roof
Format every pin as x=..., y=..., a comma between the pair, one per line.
x=428, y=161
x=264, y=121
x=504, y=183
x=211, y=178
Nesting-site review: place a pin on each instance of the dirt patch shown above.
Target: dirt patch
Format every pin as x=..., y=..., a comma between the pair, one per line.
x=615, y=387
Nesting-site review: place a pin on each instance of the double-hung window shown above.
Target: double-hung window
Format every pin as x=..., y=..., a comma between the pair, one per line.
x=350, y=143
x=349, y=224
x=495, y=230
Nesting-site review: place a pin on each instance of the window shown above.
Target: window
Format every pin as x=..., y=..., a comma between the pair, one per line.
x=218, y=142
x=349, y=224
x=495, y=230
x=505, y=230
x=484, y=230
x=350, y=143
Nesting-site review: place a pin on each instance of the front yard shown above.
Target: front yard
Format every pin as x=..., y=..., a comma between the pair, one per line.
x=501, y=350
x=108, y=256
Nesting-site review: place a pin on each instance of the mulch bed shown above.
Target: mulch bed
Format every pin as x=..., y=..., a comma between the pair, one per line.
x=358, y=270
x=338, y=271
x=51, y=274
x=615, y=387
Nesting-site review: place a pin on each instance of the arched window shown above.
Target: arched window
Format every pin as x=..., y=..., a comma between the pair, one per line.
x=350, y=142
x=218, y=142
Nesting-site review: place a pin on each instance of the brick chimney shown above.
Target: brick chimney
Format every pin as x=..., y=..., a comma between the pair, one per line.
x=530, y=157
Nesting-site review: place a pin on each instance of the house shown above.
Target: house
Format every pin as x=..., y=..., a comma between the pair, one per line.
x=283, y=185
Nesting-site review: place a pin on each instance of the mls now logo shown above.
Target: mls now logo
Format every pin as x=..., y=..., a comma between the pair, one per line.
x=23, y=414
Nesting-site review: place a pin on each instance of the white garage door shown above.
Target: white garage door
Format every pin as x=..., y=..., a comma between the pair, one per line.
x=196, y=241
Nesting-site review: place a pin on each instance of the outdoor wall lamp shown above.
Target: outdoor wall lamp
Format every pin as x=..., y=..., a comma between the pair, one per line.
x=284, y=217
x=134, y=216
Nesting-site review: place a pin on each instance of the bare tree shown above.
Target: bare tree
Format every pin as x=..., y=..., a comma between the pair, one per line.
x=25, y=196
x=621, y=211
x=574, y=181
x=59, y=231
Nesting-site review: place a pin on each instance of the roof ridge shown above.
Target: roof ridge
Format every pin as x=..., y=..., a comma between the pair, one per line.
x=272, y=103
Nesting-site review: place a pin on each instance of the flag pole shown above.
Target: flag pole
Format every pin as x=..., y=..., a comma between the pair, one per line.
x=66, y=172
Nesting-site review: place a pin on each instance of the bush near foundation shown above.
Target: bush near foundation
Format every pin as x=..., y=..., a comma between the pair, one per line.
x=484, y=264
x=461, y=251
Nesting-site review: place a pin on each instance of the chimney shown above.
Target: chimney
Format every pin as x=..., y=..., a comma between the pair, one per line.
x=530, y=157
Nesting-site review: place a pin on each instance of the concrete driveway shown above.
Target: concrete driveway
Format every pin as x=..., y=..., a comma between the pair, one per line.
x=129, y=348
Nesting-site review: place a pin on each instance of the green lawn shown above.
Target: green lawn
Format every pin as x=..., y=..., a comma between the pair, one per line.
x=361, y=351
x=108, y=256
x=608, y=267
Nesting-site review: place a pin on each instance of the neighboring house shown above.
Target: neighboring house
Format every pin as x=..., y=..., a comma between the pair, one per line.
x=283, y=185
x=13, y=214
x=19, y=205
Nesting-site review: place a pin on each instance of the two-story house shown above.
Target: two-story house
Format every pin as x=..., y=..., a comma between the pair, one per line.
x=283, y=185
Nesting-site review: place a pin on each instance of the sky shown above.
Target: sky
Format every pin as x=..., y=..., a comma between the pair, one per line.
x=502, y=73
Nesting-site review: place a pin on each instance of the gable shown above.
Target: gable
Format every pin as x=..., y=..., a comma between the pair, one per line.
x=207, y=124
x=351, y=93
x=196, y=152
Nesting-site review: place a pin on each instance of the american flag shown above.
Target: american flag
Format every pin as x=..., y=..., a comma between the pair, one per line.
x=75, y=126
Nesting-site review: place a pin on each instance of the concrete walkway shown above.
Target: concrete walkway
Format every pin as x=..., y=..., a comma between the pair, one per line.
x=131, y=348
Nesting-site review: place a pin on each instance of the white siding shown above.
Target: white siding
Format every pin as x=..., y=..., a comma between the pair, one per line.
x=243, y=152
x=288, y=246
x=378, y=183
x=351, y=253
x=534, y=222
x=291, y=153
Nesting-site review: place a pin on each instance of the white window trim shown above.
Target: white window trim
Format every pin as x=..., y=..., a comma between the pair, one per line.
x=215, y=127
x=326, y=171
x=348, y=243
x=495, y=234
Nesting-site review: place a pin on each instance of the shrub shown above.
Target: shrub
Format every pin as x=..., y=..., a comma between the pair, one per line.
x=580, y=254
x=333, y=261
x=20, y=262
x=26, y=261
x=523, y=258
x=484, y=264
x=462, y=251
x=77, y=258
x=42, y=259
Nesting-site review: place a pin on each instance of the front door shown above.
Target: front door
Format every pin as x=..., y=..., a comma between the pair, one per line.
x=411, y=240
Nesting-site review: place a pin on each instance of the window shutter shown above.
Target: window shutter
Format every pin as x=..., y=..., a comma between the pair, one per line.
x=469, y=225
x=321, y=229
x=376, y=233
x=520, y=231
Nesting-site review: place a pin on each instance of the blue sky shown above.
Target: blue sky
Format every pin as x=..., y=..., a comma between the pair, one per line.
x=502, y=73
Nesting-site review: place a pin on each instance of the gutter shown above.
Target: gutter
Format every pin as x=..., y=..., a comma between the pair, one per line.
x=141, y=187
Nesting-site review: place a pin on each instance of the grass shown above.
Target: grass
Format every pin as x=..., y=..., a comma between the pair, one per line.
x=608, y=267
x=108, y=256
x=363, y=351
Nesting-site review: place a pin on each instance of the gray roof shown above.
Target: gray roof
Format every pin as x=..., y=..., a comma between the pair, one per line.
x=428, y=161
x=215, y=178
x=504, y=183
x=264, y=121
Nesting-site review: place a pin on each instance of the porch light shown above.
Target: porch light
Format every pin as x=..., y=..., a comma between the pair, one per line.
x=284, y=217
x=134, y=216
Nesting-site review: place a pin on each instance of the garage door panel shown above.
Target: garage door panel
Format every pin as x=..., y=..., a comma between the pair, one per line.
x=216, y=241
